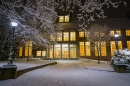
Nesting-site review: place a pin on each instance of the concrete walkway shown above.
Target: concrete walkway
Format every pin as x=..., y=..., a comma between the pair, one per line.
x=24, y=66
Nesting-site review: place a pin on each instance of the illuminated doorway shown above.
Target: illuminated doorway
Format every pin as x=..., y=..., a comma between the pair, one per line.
x=65, y=51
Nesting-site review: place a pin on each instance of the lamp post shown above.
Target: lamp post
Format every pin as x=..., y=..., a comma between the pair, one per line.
x=116, y=36
x=10, y=59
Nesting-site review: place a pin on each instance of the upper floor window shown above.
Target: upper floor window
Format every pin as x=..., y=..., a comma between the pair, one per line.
x=112, y=33
x=127, y=32
x=59, y=36
x=81, y=34
x=66, y=36
x=64, y=18
x=72, y=36
x=52, y=37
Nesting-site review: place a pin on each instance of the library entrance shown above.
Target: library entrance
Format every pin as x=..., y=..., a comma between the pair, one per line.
x=63, y=51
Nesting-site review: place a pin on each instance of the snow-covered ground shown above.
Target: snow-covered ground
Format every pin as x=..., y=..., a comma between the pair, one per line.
x=69, y=73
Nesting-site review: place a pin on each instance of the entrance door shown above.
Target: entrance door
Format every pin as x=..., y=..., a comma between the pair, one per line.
x=65, y=53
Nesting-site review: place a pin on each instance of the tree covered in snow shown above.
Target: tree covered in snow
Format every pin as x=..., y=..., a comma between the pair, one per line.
x=98, y=36
x=36, y=18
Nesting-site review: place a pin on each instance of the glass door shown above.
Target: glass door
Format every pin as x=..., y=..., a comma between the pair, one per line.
x=65, y=53
x=57, y=51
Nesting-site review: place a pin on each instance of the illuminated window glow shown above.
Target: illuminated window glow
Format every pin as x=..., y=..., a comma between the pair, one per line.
x=81, y=48
x=66, y=36
x=81, y=34
x=72, y=36
x=87, y=46
x=127, y=32
x=128, y=44
x=63, y=19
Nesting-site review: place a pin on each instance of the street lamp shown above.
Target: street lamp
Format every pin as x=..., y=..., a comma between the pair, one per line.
x=116, y=36
x=14, y=25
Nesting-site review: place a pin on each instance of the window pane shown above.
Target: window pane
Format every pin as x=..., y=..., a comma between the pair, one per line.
x=61, y=18
x=128, y=44
x=38, y=53
x=120, y=45
x=112, y=33
x=66, y=18
x=127, y=32
x=81, y=34
x=119, y=32
x=72, y=36
x=59, y=36
x=113, y=47
x=43, y=53
x=96, y=51
x=103, y=49
x=66, y=36
x=72, y=51
x=52, y=38
x=20, y=51
x=28, y=48
x=88, y=52
x=81, y=45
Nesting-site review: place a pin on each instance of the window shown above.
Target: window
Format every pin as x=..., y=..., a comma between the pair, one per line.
x=66, y=36
x=120, y=45
x=113, y=46
x=127, y=32
x=38, y=53
x=81, y=34
x=103, y=49
x=28, y=48
x=59, y=36
x=20, y=51
x=87, y=46
x=128, y=44
x=112, y=33
x=52, y=38
x=81, y=47
x=72, y=36
x=64, y=18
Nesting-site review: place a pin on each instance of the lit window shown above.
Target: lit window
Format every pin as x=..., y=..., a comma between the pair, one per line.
x=38, y=53
x=72, y=36
x=120, y=45
x=20, y=51
x=128, y=44
x=112, y=33
x=81, y=45
x=66, y=18
x=81, y=34
x=28, y=48
x=96, y=51
x=59, y=36
x=63, y=18
x=87, y=46
x=43, y=53
x=119, y=32
x=127, y=32
x=52, y=38
x=113, y=46
x=103, y=50
x=66, y=36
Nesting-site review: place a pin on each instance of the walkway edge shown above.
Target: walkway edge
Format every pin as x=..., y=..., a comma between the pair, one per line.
x=20, y=72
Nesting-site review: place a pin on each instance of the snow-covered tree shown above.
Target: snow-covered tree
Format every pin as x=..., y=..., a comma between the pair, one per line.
x=98, y=36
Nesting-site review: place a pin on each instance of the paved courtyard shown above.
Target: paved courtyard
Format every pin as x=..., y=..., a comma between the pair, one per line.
x=72, y=73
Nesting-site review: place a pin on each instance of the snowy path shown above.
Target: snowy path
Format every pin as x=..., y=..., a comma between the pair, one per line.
x=71, y=73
